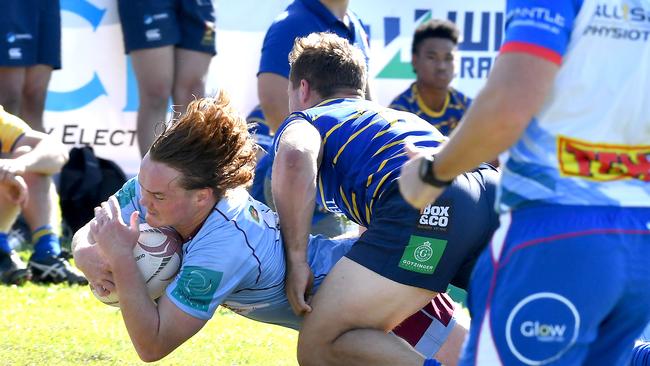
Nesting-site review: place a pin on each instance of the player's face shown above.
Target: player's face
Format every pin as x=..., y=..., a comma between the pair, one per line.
x=434, y=62
x=167, y=203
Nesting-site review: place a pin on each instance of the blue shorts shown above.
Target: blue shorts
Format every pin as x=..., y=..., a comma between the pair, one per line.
x=561, y=285
x=436, y=246
x=30, y=33
x=188, y=24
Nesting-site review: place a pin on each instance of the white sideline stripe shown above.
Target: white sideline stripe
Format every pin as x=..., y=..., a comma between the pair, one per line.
x=486, y=353
x=499, y=237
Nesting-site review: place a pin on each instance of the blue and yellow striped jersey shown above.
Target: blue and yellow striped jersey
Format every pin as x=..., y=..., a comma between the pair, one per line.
x=12, y=129
x=446, y=119
x=363, y=151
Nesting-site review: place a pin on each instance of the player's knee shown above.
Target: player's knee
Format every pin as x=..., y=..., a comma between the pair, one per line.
x=11, y=101
x=186, y=92
x=34, y=94
x=155, y=94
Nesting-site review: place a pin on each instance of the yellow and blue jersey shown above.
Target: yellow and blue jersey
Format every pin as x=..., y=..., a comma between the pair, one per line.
x=363, y=151
x=445, y=120
x=12, y=129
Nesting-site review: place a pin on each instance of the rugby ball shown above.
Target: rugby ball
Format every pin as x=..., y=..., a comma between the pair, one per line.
x=158, y=256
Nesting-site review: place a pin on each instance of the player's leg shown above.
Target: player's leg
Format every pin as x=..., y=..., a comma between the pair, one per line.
x=48, y=58
x=12, y=269
x=546, y=287
x=150, y=32
x=37, y=78
x=435, y=331
x=352, y=312
x=154, y=70
x=191, y=69
x=12, y=80
x=43, y=215
x=194, y=50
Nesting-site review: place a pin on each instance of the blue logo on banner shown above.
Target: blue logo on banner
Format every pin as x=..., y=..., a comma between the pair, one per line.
x=84, y=9
x=93, y=89
x=470, y=67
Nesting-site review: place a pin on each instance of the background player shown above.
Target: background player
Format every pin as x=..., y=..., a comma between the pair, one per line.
x=30, y=48
x=171, y=43
x=430, y=97
x=28, y=159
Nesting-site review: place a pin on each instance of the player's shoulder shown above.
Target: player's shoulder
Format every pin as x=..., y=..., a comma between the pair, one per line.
x=295, y=21
x=459, y=97
x=403, y=100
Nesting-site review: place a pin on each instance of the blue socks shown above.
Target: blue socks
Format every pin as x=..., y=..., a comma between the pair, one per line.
x=46, y=243
x=4, y=243
x=431, y=362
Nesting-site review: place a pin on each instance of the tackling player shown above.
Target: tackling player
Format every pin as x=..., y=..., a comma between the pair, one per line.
x=346, y=153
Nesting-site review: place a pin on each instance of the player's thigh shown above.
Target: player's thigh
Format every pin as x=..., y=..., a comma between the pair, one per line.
x=37, y=78
x=191, y=68
x=354, y=297
x=154, y=70
x=12, y=81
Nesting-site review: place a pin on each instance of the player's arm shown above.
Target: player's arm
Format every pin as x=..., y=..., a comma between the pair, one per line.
x=155, y=330
x=516, y=89
x=89, y=259
x=272, y=93
x=294, y=189
x=514, y=93
x=43, y=154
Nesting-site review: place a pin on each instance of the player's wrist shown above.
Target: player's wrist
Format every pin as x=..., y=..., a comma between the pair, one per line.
x=429, y=175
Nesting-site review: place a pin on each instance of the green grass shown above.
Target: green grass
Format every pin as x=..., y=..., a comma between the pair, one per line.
x=66, y=325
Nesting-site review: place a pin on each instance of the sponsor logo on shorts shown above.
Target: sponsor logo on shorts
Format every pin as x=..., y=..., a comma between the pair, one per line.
x=13, y=37
x=196, y=286
x=542, y=327
x=15, y=53
x=148, y=18
x=603, y=162
x=208, y=34
x=422, y=254
x=153, y=35
x=434, y=218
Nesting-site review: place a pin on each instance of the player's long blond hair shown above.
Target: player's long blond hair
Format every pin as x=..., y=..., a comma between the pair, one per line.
x=210, y=145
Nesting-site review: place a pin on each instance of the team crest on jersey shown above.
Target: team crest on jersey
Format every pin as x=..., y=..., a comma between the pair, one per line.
x=196, y=286
x=603, y=162
x=254, y=214
x=434, y=217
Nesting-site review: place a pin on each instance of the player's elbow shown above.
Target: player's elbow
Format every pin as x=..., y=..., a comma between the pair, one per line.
x=151, y=353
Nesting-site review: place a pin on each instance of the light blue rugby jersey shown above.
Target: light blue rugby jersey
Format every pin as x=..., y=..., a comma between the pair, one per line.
x=363, y=151
x=237, y=260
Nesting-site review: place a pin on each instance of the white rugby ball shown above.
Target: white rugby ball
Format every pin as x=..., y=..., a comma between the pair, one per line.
x=158, y=256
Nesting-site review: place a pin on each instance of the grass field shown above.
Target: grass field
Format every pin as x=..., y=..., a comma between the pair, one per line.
x=65, y=325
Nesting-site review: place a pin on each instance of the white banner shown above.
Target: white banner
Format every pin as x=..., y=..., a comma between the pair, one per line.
x=93, y=99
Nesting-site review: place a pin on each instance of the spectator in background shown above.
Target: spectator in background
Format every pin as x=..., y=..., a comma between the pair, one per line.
x=301, y=18
x=430, y=96
x=171, y=43
x=323, y=222
x=30, y=48
x=28, y=159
